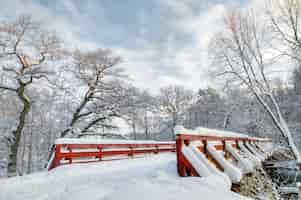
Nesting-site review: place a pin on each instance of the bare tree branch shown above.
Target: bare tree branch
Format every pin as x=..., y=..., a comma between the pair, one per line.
x=8, y=88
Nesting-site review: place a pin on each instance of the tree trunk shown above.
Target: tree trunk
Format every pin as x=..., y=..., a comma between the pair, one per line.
x=289, y=137
x=12, y=165
x=29, y=161
x=286, y=132
x=280, y=124
x=174, y=123
x=22, y=155
x=76, y=114
x=97, y=120
x=227, y=120
x=146, y=126
x=134, y=130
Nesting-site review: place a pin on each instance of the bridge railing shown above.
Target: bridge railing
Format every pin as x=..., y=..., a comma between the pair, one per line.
x=68, y=153
x=185, y=167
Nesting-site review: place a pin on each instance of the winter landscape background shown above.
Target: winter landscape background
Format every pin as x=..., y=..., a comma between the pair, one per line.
x=136, y=69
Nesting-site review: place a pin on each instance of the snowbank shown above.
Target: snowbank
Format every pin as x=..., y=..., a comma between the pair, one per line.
x=204, y=168
x=259, y=150
x=255, y=152
x=243, y=163
x=213, y=170
x=153, y=177
x=233, y=172
x=198, y=164
x=267, y=147
x=249, y=155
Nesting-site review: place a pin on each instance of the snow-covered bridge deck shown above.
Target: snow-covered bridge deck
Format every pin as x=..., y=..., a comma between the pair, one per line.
x=148, y=178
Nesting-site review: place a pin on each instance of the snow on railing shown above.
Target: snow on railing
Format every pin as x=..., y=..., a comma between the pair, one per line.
x=232, y=153
x=68, y=151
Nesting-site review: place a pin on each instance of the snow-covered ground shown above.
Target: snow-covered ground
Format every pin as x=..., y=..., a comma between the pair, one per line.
x=148, y=178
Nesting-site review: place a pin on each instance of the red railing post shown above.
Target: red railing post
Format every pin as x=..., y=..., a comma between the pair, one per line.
x=57, y=156
x=70, y=151
x=236, y=142
x=226, y=155
x=224, y=145
x=205, y=147
x=180, y=157
x=156, y=149
x=100, y=153
x=131, y=154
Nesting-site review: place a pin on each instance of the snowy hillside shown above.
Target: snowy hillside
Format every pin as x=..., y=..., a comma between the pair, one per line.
x=153, y=177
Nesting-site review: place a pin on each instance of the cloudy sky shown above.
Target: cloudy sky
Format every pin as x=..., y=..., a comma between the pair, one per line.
x=161, y=41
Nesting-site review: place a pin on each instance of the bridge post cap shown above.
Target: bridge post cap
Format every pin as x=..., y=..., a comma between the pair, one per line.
x=178, y=129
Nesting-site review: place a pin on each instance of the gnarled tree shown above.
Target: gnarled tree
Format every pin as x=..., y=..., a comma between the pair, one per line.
x=96, y=71
x=25, y=49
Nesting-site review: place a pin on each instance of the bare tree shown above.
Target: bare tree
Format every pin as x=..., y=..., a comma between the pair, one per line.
x=147, y=108
x=137, y=102
x=95, y=71
x=239, y=56
x=133, y=101
x=173, y=101
x=284, y=18
x=25, y=49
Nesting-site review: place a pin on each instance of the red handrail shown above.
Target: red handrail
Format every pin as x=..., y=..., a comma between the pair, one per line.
x=77, y=153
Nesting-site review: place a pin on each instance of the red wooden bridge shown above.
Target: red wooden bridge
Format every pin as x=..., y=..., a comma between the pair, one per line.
x=71, y=151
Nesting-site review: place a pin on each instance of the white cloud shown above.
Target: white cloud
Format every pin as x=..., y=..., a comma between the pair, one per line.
x=181, y=8
x=192, y=61
x=189, y=65
x=149, y=67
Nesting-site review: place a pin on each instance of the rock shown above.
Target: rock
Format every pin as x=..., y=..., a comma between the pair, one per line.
x=258, y=186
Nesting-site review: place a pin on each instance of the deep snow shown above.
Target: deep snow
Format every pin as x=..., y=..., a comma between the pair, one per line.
x=151, y=177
